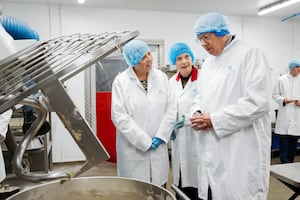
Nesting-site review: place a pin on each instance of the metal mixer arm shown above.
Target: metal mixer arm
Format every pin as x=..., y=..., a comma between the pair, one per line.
x=19, y=170
x=47, y=64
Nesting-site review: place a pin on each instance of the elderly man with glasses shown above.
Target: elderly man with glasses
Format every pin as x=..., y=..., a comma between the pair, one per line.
x=231, y=115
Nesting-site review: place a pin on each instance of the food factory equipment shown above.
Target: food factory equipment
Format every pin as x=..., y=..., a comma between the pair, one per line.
x=47, y=65
x=44, y=67
x=96, y=188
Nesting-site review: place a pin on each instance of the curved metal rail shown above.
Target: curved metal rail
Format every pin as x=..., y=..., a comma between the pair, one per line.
x=43, y=67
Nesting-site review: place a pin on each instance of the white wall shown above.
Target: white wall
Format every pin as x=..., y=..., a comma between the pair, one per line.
x=278, y=40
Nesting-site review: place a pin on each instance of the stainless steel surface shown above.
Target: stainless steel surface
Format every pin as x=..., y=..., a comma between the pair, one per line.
x=288, y=173
x=104, y=188
x=44, y=67
x=56, y=59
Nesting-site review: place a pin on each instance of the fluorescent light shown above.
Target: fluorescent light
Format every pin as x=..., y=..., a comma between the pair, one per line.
x=81, y=1
x=275, y=6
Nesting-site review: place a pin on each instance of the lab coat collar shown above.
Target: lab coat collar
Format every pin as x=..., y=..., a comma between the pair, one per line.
x=132, y=74
x=194, y=75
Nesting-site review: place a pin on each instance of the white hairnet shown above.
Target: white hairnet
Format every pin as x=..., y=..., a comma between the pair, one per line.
x=212, y=22
x=134, y=52
x=294, y=63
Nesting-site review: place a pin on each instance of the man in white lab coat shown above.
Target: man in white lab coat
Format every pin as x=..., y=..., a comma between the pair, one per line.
x=286, y=93
x=234, y=127
x=185, y=86
x=143, y=111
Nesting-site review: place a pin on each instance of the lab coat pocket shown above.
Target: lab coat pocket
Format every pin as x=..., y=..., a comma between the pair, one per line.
x=193, y=92
x=228, y=78
x=158, y=98
x=230, y=70
x=129, y=104
x=132, y=153
x=194, y=138
x=161, y=92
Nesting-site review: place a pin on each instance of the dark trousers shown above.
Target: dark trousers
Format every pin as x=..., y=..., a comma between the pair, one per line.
x=287, y=148
x=209, y=195
x=191, y=192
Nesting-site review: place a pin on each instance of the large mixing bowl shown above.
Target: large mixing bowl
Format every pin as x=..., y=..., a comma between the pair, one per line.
x=95, y=188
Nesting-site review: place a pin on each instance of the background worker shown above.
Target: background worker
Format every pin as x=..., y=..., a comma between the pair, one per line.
x=7, y=49
x=143, y=111
x=286, y=93
x=235, y=125
x=185, y=86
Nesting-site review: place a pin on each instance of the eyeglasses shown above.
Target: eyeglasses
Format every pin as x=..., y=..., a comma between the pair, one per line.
x=203, y=38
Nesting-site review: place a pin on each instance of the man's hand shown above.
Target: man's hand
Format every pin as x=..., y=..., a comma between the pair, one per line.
x=201, y=122
x=287, y=101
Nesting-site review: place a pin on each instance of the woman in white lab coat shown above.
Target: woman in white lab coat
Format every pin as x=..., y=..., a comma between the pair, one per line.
x=286, y=93
x=184, y=153
x=143, y=111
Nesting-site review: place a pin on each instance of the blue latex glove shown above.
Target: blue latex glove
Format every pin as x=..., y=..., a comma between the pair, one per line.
x=173, y=135
x=155, y=143
x=179, y=124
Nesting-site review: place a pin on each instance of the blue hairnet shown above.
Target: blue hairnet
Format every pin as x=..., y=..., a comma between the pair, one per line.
x=134, y=52
x=294, y=63
x=212, y=22
x=178, y=49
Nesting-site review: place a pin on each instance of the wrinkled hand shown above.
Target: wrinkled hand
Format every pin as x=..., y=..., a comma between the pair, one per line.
x=287, y=101
x=180, y=123
x=297, y=102
x=201, y=122
x=155, y=143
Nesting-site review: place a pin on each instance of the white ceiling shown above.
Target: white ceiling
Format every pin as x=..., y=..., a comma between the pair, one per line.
x=230, y=7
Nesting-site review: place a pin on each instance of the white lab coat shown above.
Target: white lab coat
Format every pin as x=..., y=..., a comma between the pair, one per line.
x=138, y=117
x=288, y=118
x=4, y=120
x=184, y=152
x=7, y=48
x=234, y=157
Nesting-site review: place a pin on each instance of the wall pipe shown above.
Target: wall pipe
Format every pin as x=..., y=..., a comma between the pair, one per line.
x=290, y=17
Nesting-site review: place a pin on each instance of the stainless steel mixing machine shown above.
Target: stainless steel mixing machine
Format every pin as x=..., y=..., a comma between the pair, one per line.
x=44, y=67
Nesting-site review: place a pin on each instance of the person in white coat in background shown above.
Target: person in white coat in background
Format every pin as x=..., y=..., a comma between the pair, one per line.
x=7, y=49
x=185, y=86
x=143, y=112
x=286, y=93
x=4, y=121
x=234, y=98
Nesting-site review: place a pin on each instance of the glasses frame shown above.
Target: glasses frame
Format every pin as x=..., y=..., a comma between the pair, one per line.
x=205, y=37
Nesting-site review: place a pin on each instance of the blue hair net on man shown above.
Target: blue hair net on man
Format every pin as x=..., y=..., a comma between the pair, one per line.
x=134, y=52
x=294, y=63
x=178, y=49
x=212, y=22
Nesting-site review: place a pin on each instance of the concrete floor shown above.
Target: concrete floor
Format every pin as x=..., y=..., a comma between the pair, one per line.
x=278, y=191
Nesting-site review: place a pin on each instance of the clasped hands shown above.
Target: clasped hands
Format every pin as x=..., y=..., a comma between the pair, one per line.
x=287, y=101
x=201, y=122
